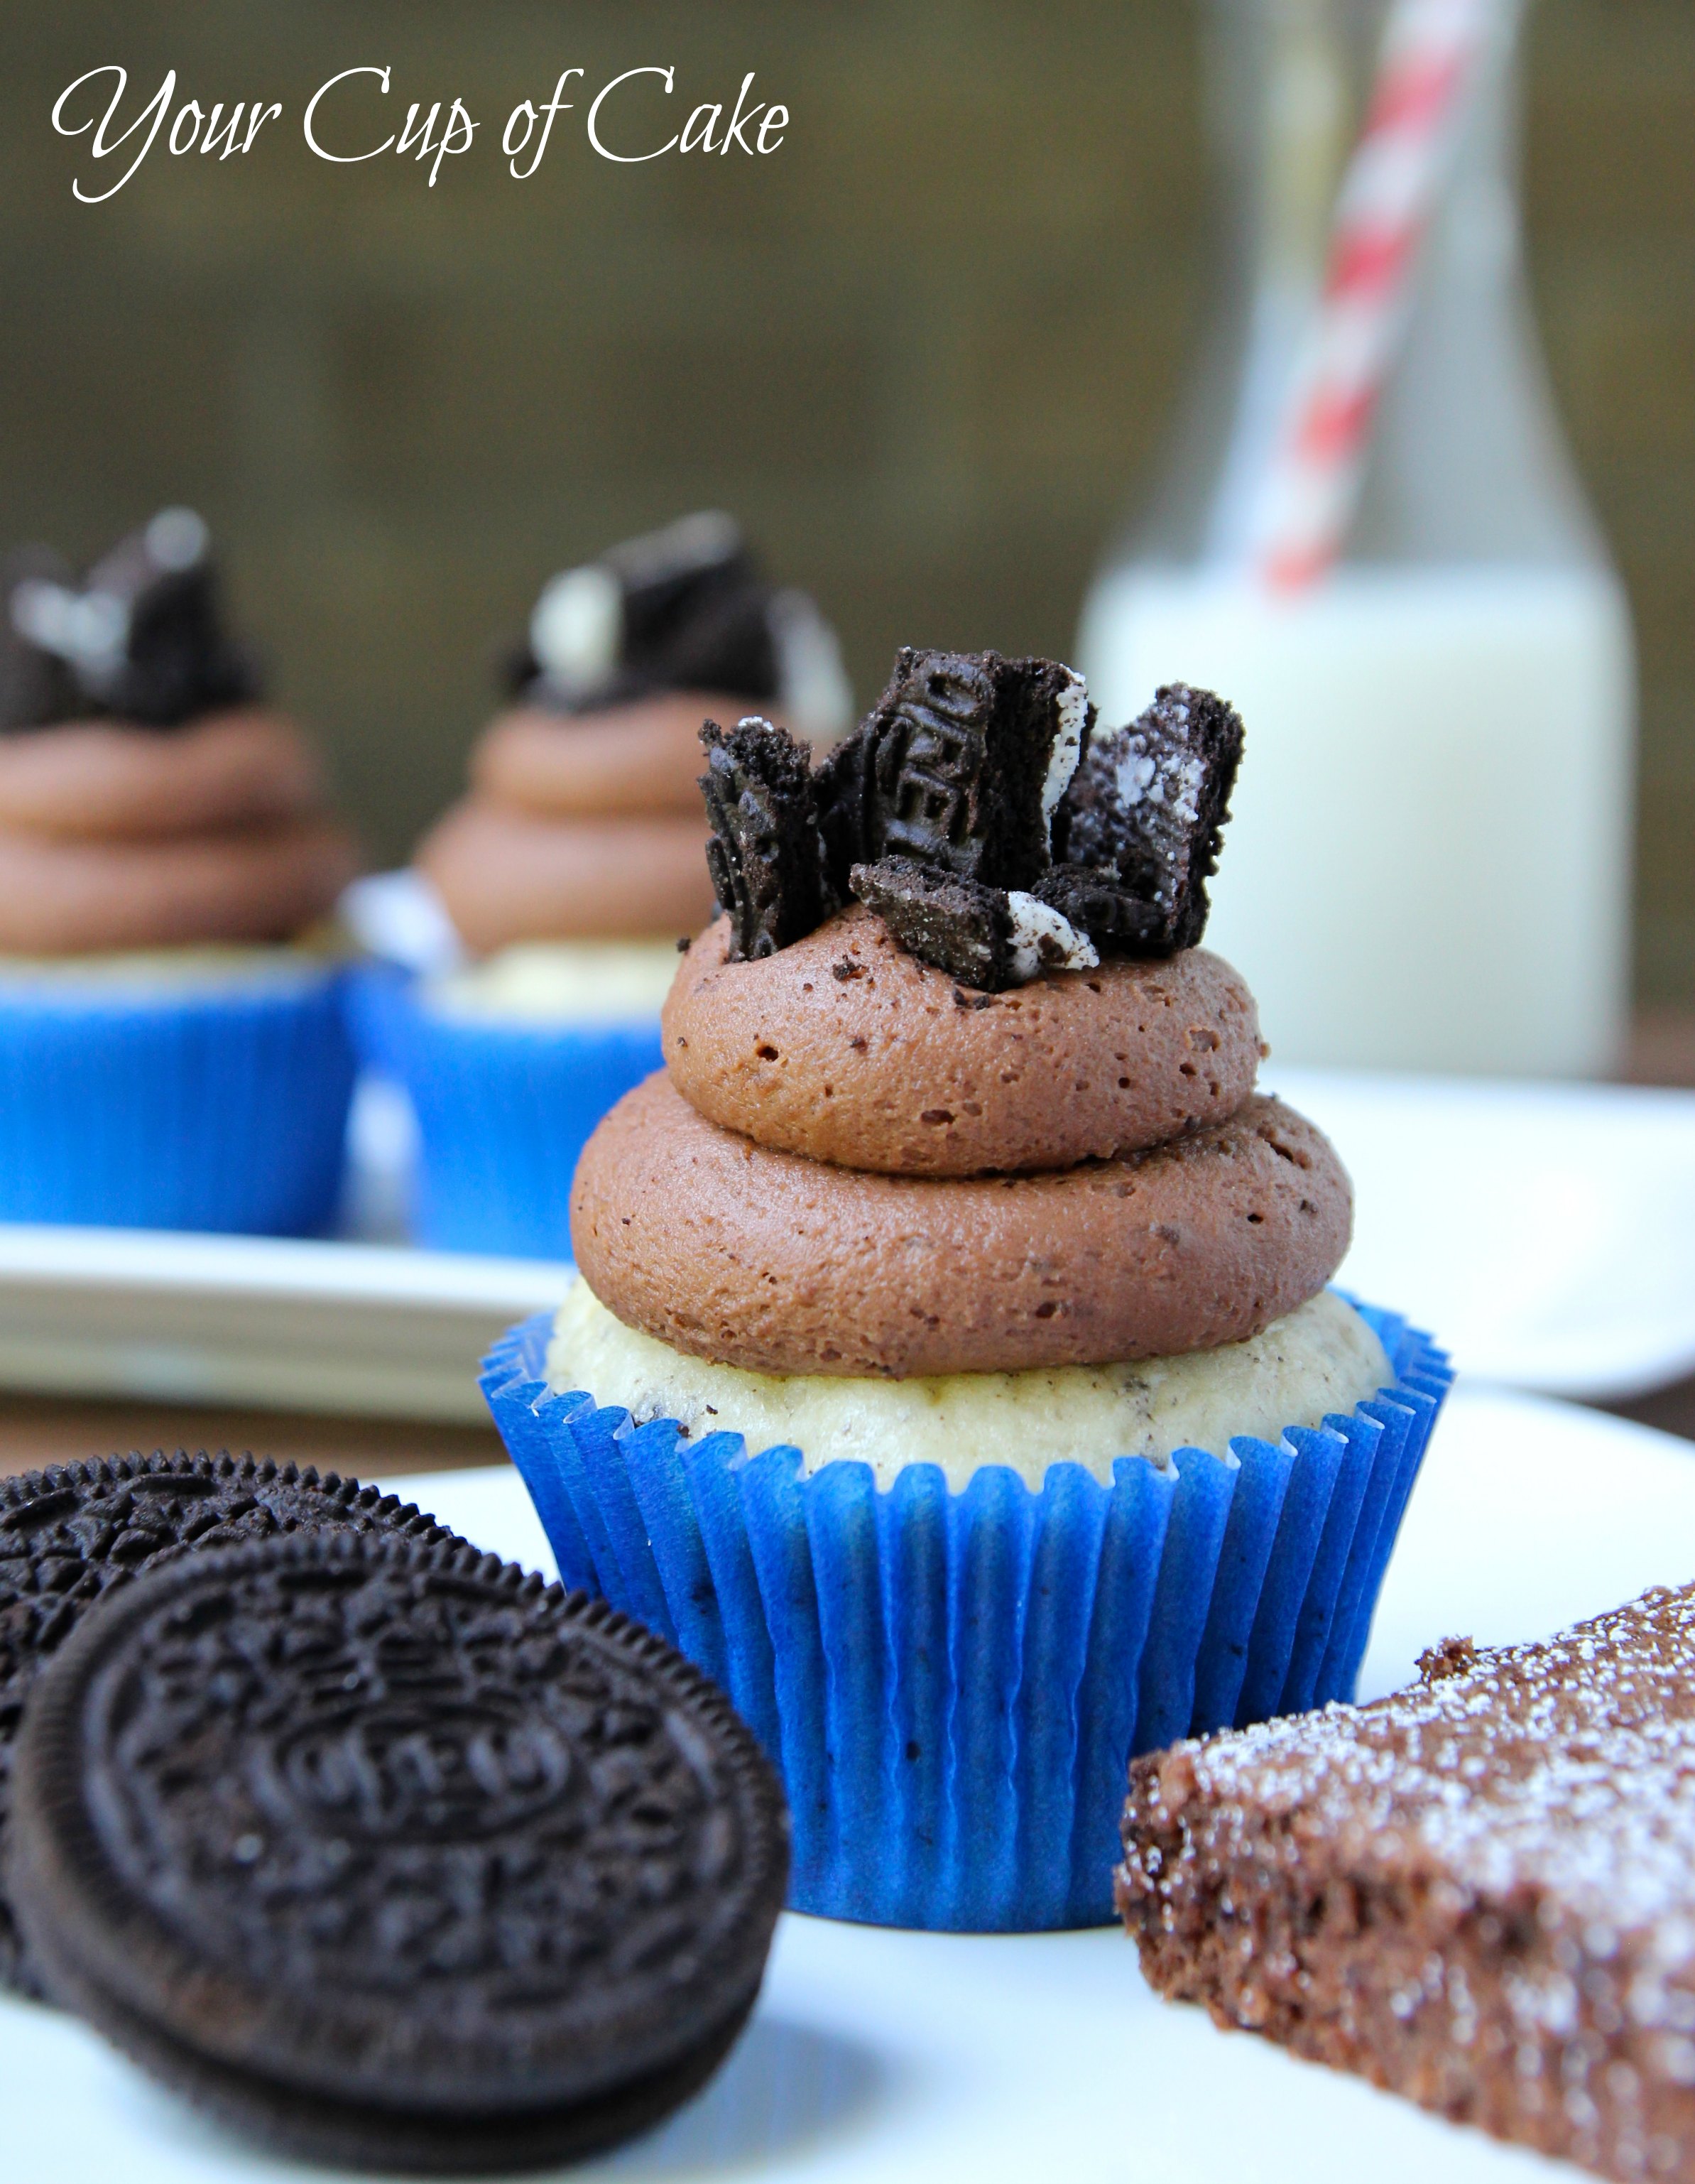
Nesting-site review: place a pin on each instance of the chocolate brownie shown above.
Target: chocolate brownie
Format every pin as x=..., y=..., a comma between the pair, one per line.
x=68, y=1535
x=395, y=1853
x=1144, y=813
x=1479, y=1892
x=763, y=853
x=960, y=765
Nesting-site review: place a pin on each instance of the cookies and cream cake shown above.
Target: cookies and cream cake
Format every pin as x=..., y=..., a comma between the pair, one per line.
x=148, y=800
x=952, y=1365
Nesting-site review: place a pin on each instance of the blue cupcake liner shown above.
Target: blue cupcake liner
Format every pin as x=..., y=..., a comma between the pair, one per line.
x=503, y=1111
x=953, y=1686
x=221, y=1108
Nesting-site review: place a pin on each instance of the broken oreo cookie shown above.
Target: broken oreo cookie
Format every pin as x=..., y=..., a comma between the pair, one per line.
x=1143, y=816
x=681, y=608
x=989, y=937
x=764, y=856
x=68, y=1535
x=140, y=639
x=960, y=766
x=397, y=1854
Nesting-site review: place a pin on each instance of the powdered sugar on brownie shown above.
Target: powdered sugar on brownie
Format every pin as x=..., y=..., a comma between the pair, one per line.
x=1569, y=1767
x=1480, y=1891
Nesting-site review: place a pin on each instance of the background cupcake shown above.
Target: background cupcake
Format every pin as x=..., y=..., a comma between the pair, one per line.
x=962, y=1208
x=563, y=879
x=172, y=1047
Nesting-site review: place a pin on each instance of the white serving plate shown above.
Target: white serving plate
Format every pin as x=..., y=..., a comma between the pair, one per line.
x=1545, y=1232
x=884, y=2057
x=370, y=1329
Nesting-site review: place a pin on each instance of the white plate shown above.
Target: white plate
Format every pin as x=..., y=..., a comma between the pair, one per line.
x=370, y=1329
x=1546, y=1233
x=876, y=2057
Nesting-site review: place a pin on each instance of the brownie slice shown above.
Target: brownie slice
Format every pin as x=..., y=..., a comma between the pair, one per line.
x=1479, y=1892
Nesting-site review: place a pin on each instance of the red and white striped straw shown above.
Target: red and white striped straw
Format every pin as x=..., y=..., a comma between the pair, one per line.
x=1390, y=190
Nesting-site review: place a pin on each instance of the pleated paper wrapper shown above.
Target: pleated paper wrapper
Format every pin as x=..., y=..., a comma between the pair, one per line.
x=221, y=1108
x=952, y=1685
x=503, y=1109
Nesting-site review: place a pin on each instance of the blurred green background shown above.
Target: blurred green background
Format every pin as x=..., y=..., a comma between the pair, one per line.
x=925, y=352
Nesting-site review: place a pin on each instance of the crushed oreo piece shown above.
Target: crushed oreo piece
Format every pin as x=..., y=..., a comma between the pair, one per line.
x=140, y=639
x=681, y=608
x=847, y=969
x=989, y=937
x=1100, y=905
x=1146, y=809
x=764, y=855
x=961, y=765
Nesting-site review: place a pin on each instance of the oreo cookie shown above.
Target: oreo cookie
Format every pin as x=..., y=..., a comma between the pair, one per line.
x=763, y=855
x=1144, y=814
x=395, y=1853
x=961, y=765
x=681, y=608
x=1099, y=904
x=989, y=937
x=68, y=1535
x=140, y=639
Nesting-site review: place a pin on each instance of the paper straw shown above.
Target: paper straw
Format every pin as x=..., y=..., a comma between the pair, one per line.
x=1393, y=184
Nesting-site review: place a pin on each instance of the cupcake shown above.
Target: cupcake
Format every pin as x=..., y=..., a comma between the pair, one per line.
x=173, y=1052
x=568, y=872
x=952, y=1369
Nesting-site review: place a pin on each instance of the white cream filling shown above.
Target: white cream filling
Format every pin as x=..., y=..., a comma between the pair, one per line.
x=1068, y=743
x=1043, y=939
x=577, y=627
x=560, y=981
x=1321, y=1358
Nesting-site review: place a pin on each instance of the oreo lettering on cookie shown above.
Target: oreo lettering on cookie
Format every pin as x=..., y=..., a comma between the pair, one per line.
x=1144, y=814
x=397, y=1854
x=960, y=766
x=989, y=937
x=70, y=1534
x=764, y=856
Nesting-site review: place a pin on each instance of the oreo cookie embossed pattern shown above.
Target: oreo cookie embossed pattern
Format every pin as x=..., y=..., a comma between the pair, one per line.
x=946, y=809
x=68, y=1535
x=397, y=1853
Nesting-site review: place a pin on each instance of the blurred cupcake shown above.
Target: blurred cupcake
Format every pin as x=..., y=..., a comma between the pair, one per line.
x=172, y=1048
x=959, y=1203
x=565, y=876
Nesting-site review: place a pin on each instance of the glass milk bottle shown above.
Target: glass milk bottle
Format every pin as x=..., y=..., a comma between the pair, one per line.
x=1428, y=862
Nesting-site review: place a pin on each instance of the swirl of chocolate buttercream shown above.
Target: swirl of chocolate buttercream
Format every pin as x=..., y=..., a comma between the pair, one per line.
x=115, y=837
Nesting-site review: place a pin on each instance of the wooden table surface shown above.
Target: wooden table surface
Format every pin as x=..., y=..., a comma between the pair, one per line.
x=36, y=1431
